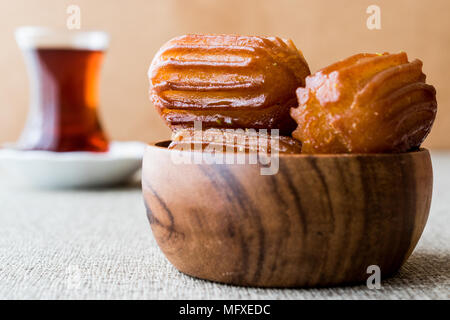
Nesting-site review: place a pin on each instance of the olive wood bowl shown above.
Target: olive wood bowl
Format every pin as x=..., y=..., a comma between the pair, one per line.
x=322, y=220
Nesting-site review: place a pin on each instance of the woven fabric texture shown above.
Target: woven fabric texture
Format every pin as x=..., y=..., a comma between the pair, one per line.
x=97, y=244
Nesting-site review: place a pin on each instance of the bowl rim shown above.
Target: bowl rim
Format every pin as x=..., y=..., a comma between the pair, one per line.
x=158, y=145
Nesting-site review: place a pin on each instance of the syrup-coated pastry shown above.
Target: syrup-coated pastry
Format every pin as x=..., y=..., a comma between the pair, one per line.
x=367, y=103
x=227, y=81
x=240, y=140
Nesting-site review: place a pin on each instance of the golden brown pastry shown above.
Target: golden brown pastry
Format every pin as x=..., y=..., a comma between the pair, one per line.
x=366, y=103
x=233, y=141
x=227, y=81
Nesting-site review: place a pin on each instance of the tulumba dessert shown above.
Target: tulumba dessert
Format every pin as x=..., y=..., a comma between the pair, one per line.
x=227, y=81
x=367, y=103
x=224, y=140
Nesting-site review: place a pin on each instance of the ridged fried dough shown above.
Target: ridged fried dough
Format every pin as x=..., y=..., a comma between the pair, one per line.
x=226, y=140
x=367, y=103
x=227, y=81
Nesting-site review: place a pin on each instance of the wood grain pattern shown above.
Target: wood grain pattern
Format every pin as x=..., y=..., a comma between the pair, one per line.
x=321, y=220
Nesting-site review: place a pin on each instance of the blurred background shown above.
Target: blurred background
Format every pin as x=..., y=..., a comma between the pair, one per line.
x=325, y=30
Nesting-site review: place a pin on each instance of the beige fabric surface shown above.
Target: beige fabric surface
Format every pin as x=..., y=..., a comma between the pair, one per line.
x=97, y=244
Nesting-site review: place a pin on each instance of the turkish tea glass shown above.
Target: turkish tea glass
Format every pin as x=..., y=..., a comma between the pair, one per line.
x=63, y=67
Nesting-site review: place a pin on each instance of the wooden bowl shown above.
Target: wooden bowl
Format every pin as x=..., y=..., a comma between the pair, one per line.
x=320, y=221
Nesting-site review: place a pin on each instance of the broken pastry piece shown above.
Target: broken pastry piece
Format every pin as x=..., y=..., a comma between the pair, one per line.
x=367, y=103
x=227, y=81
x=240, y=140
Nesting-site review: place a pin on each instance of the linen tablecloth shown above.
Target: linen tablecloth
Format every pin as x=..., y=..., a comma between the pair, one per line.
x=97, y=244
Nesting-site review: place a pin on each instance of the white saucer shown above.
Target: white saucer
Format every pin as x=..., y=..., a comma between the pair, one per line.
x=74, y=169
